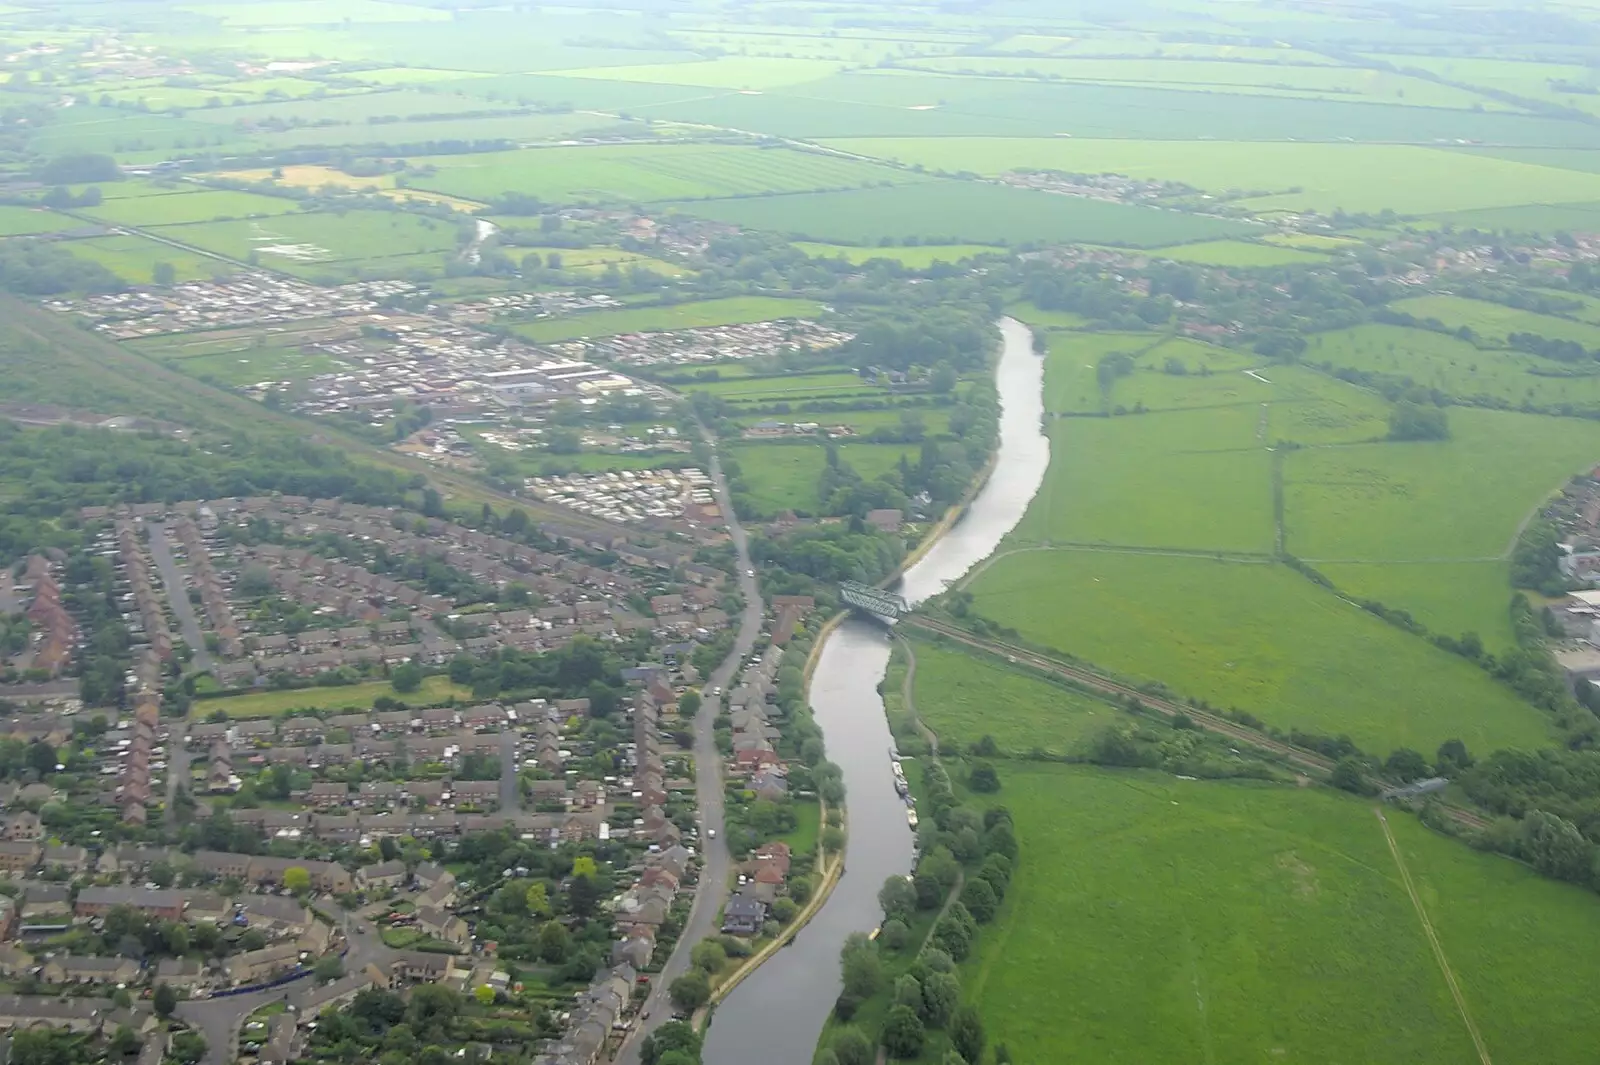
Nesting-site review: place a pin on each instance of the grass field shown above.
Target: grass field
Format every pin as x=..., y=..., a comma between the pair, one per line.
x=1448, y=597
x=199, y=206
x=783, y=477
x=1357, y=177
x=964, y=697
x=648, y=173
x=1190, y=479
x=133, y=258
x=1494, y=321
x=1258, y=637
x=1236, y=253
x=1186, y=921
x=919, y=257
x=1455, y=367
x=790, y=388
x=950, y=212
x=727, y=72
x=1459, y=499
x=734, y=310
x=352, y=697
x=25, y=221
x=308, y=243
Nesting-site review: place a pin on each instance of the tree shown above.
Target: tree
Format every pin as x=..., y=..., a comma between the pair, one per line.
x=188, y=1047
x=1348, y=776
x=908, y=992
x=1555, y=847
x=484, y=994
x=941, y=994
x=784, y=910
x=123, y=1043
x=708, y=956
x=1452, y=757
x=862, y=967
x=690, y=991
x=671, y=1038
x=554, y=942
x=1409, y=421
x=165, y=1000
x=903, y=1033
x=979, y=898
x=297, y=879
x=984, y=779
x=537, y=899
x=163, y=275
x=896, y=933
x=406, y=678
x=689, y=703
x=966, y=1034
x=1406, y=765
x=328, y=968
x=898, y=897
x=852, y=1048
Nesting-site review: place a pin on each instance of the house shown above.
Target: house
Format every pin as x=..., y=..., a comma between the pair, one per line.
x=72, y=860
x=207, y=906
x=383, y=875
x=180, y=972
x=279, y=1047
x=743, y=915
x=443, y=925
x=416, y=966
x=255, y=965
x=38, y=1011
x=428, y=874
x=14, y=961
x=18, y=857
x=165, y=903
x=275, y=913
x=70, y=969
x=441, y=895
x=24, y=826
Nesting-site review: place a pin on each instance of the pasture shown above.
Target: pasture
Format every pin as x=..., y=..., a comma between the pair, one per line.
x=726, y=72
x=28, y=221
x=1448, y=597
x=183, y=208
x=301, y=243
x=1417, y=501
x=1175, y=920
x=1256, y=636
x=1236, y=253
x=964, y=697
x=1455, y=367
x=133, y=258
x=734, y=310
x=916, y=257
x=784, y=476
x=788, y=388
x=1409, y=179
x=1188, y=479
x=1494, y=321
x=940, y=212
x=646, y=173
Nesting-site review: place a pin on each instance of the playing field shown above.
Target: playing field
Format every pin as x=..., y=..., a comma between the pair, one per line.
x=1194, y=921
x=1256, y=636
x=734, y=310
x=955, y=212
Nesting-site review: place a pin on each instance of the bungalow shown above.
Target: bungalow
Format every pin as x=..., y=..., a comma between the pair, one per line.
x=743, y=915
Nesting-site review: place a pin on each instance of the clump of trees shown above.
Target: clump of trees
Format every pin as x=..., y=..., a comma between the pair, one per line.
x=1413, y=421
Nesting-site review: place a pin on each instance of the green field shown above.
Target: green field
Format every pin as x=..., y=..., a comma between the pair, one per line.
x=727, y=72
x=199, y=206
x=1494, y=321
x=1448, y=597
x=952, y=212
x=1188, y=921
x=321, y=243
x=352, y=697
x=731, y=311
x=648, y=173
x=964, y=697
x=1455, y=367
x=789, y=388
x=1459, y=499
x=781, y=476
x=1236, y=253
x=133, y=258
x=914, y=258
x=1258, y=637
x=1357, y=177
x=24, y=221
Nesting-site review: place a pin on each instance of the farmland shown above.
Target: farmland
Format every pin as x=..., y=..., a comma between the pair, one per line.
x=188, y=207
x=1246, y=922
x=318, y=244
x=134, y=258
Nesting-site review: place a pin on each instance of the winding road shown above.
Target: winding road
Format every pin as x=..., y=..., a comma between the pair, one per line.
x=712, y=890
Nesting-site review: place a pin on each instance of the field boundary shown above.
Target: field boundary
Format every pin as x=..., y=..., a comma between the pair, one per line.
x=1433, y=940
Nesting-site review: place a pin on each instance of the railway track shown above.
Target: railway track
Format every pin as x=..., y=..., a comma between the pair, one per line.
x=1211, y=722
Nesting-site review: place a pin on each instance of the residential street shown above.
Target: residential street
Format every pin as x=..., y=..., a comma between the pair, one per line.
x=712, y=890
x=172, y=575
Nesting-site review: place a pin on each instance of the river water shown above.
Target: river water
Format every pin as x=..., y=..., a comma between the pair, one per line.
x=776, y=1015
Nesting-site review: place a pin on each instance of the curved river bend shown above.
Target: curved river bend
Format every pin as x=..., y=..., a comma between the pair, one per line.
x=777, y=1014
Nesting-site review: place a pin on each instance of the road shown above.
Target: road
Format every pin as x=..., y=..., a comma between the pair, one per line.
x=172, y=576
x=177, y=765
x=712, y=890
x=510, y=785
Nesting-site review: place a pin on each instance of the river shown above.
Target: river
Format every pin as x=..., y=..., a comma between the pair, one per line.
x=777, y=1014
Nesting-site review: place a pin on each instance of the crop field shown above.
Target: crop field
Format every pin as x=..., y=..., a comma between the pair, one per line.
x=188, y=207
x=963, y=212
x=301, y=242
x=26, y=221
x=1532, y=218
x=1357, y=177
x=648, y=173
x=1236, y=253
x=1181, y=920
x=1190, y=479
x=919, y=257
x=1256, y=636
x=1459, y=499
x=735, y=310
x=134, y=258
x=1532, y=80
x=1435, y=360
x=1493, y=321
x=964, y=697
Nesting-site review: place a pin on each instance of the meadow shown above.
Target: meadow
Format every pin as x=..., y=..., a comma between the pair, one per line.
x=1459, y=499
x=962, y=212
x=1256, y=636
x=1448, y=597
x=133, y=258
x=26, y=221
x=434, y=690
x=1454, y=367
x=647, y=173
x=1171, y=920
x=1494, y=321
x=1410, y=179
x=307, y=243
x=964, y=697
x=1236, y=253
x=788, y=388
x=784, y=476
x=734, y=310
x=197, y=206
x=918, y=257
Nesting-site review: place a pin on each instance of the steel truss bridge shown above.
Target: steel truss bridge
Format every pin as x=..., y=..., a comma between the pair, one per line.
x=873, y=600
